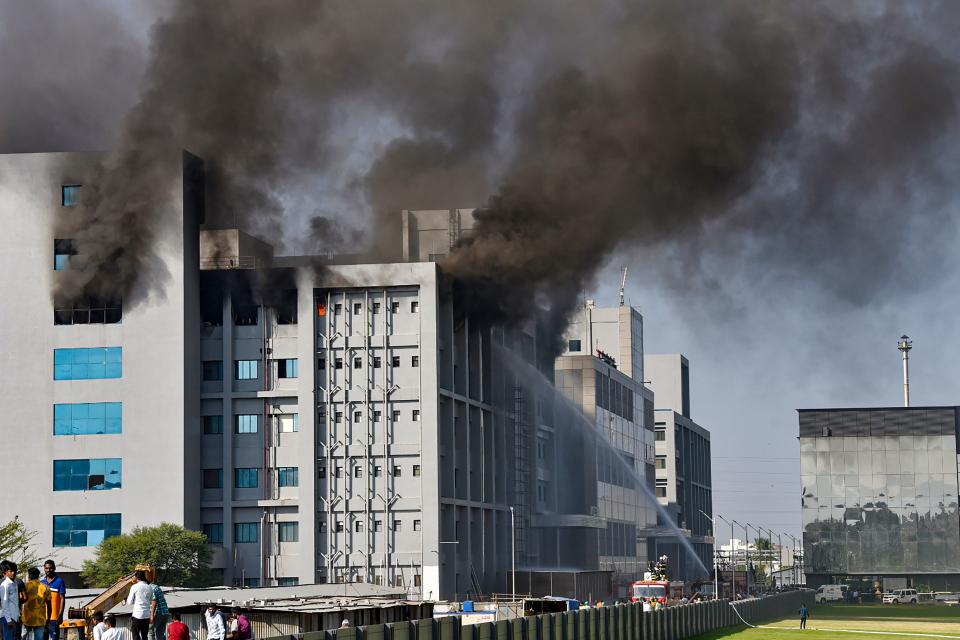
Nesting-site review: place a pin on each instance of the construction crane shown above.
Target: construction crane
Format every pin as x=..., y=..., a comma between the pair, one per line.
x=623, y=285
x=79, y=622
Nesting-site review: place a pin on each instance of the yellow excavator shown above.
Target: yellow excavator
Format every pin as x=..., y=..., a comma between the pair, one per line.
x=79, y=622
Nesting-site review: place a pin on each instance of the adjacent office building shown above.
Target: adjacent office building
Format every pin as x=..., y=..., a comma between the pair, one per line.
x=683, y=469
x=879, y=497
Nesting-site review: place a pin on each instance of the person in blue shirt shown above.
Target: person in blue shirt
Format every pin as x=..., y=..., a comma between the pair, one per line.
x=803, y=616
x=58, y=598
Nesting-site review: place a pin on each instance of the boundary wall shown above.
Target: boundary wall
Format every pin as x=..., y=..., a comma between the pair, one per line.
x=618, y=622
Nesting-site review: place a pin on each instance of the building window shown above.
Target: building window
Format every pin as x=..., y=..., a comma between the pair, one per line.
x=377, y=470
x=246, y=478
x=661, y=462
x=288, y=422
x=288, y=368
x=87, y=310
x=416, y=525
x=358, y=362
x=251, y=582
x=288, y=582
x=397, y=525
x=288, y=476
x=416, y=415
x=62, y=250
x=247, y=423
x=339, y=526
x=394, y=307
x=321, y=363
x=414, y=307
x=70, y=195
x=377, y=415
x=377, y=525
x=357, y=416
x=573, y=345
x=396, y=471
x=246, y=532
x=338, y=363
x=94, y=474
x=377, y=361
x=321, y=472
x=661, y=492
x=415, y=361
x=214, y=533
x=395, y=415
x=337, y=308
x=358, y=471
x=212, y=425
x=358, y=526
x=357, y=307
x=212, y=370
x=288, y=531
x=659, y=435
x=376, y=308
x=338, y=472
x=213, y=478
x=246, y=369
x=96, y=363
x=541, y=449
x=416, y=470
x=395, y=361
x=417, y=580
x=85, y=530
x=93, y=418
x=338, y=416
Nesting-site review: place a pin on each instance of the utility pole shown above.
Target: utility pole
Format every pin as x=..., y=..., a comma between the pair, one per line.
x=733, y=562
x=716, y=580
x=746, y=554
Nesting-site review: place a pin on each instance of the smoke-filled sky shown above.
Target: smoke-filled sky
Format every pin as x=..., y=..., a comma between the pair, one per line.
x=778, y=176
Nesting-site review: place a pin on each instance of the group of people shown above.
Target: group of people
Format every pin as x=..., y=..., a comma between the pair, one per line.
x=235, y=626
x=34, y=609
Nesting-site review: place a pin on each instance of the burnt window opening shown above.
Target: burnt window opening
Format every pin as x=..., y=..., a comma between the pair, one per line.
x=87, y=310
x=245, y=310
x=211, y=306
x=286, y=308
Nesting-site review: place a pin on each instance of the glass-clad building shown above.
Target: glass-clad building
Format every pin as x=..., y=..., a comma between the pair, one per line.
x=879, y=496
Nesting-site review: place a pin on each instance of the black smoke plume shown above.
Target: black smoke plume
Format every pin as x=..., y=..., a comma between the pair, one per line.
x=811, y=137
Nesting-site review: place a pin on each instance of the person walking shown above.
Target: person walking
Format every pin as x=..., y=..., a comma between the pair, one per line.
x=9, y=600
x=141, y=598
x=803, y=616
x=159, y=614
x=58, y=598
x=215, y=627
x=177, y=629
x=36, y=608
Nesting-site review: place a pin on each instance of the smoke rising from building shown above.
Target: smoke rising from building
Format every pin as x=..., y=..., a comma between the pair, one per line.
x=801, y=135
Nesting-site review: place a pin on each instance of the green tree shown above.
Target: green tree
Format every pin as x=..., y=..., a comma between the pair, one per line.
x=181, y=556
x=763, y=544
x=16, y=543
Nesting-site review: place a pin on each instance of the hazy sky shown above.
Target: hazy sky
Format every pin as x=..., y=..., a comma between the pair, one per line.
x=764, y=336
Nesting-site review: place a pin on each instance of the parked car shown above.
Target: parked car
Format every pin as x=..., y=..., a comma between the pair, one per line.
x=901, y=596
x=831, y=593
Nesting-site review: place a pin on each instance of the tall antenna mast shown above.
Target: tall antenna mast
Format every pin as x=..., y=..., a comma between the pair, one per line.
x=904, y=345
x=623, y=284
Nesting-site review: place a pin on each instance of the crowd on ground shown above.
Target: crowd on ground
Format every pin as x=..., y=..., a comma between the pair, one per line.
x=33, y=610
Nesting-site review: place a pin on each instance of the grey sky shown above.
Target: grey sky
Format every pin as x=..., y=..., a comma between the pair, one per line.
x=794, y=298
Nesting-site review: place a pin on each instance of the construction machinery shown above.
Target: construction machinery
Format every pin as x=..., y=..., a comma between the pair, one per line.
x=79, y=622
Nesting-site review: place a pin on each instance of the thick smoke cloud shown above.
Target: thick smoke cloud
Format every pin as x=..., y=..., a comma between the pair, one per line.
x=806, y=136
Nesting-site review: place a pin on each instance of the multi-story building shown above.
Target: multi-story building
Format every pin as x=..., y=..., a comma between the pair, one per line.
x=343, y=422
x=879, y=497
x=683, y=484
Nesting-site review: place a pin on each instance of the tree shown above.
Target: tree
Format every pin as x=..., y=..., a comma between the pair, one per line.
x=181, y=556
x=15, y=544
x=763, y=544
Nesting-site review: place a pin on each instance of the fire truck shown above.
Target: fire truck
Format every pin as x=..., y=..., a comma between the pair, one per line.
x=663, y=591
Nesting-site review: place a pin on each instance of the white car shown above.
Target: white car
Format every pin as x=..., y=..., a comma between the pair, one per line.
x=831, y=593
x=901, y=596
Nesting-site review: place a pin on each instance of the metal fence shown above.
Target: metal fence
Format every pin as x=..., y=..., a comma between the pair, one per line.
x=622, y=622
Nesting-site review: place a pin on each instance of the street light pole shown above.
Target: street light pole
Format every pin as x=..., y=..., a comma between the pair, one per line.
x=513, y=554
x=716, y=580
x=746, y=554
x=733, y=562
x=793, y=573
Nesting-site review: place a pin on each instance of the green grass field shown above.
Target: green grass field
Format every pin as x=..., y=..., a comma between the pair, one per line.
x=875, y=622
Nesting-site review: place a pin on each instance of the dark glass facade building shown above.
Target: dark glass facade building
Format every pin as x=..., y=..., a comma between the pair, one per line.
x=879, y=495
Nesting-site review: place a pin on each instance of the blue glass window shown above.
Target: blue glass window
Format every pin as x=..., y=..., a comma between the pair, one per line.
x=288, y=476
x=288, y=582
x=214, y=533
x=251, y=582
x=212, y=370
x=246, y=532
x=95, y=474
x=288, y=531
x=288, y=368
x=245, y=478
x=248, y=423
x=88, y=364
x=70, y=195
x=87, y=419
x=85, y=530
x=246, y=369
x=62, y=250
x=212, y=425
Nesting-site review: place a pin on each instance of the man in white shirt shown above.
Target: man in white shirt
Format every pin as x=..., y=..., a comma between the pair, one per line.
x=141, y=597
x=9, y=600
x=215, y=628
x=110, y=630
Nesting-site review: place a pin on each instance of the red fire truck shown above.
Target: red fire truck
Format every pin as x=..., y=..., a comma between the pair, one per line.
x=661, y=590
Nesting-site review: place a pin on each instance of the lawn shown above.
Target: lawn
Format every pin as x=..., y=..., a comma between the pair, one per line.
x=893, y=622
